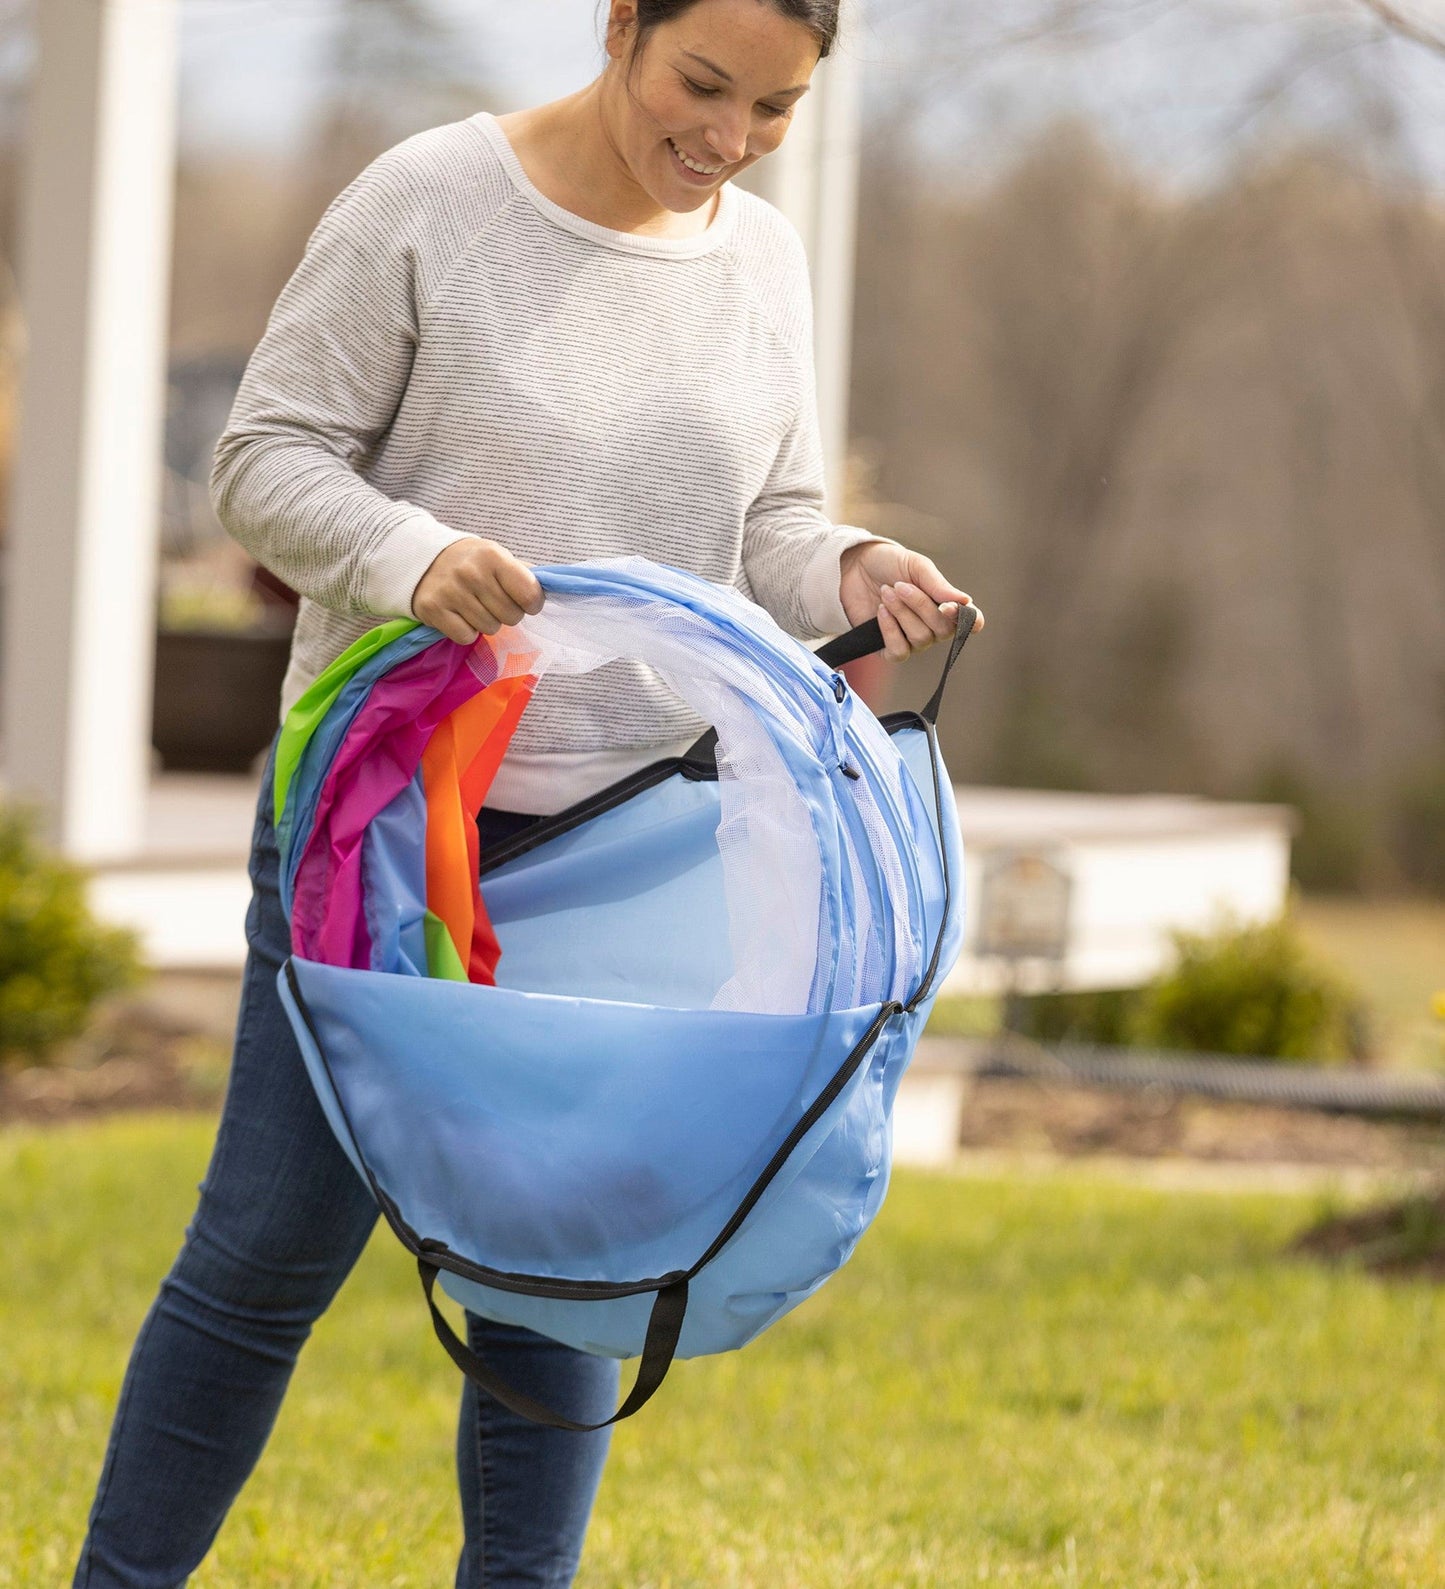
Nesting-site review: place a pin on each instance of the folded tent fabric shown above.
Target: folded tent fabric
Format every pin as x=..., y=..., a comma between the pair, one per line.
x=434, y=703
x=822, y=893
x=458, y=765
x=318, y=724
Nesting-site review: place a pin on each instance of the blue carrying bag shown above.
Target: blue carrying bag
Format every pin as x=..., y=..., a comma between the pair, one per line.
x=644, y=1109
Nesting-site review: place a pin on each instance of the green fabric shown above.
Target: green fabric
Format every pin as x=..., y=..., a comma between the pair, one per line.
x=441, y=953
x=303, y=718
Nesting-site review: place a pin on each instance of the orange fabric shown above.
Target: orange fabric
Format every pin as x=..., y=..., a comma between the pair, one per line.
x=510, y=697
x=458, y=766
x=448, y=893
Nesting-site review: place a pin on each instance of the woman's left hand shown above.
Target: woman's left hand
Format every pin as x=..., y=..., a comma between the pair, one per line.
x=913, y=603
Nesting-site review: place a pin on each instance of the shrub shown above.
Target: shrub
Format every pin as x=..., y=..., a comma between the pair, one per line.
x=1107, y=1017
x=1252, y=990
x=55, y=960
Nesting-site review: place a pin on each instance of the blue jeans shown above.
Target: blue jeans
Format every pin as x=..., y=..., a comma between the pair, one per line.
x=282, y=1218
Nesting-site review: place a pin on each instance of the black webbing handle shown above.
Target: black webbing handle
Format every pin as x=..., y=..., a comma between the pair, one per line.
x=868, y=638
x=664, y=1326
x=844, y=648
x=967, y=618
x=850, y=647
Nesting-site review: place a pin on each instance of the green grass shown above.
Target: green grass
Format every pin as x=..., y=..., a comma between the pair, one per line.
x=1394, y=952
x=965, y=1015
x=1055, y=1380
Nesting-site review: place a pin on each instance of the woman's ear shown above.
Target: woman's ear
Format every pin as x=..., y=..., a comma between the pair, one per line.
x=621, y=28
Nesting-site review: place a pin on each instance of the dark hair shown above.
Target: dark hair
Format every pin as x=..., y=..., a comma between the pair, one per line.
x=820, y=17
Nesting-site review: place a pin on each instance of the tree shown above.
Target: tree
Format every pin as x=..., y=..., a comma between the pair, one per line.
x=395, y=67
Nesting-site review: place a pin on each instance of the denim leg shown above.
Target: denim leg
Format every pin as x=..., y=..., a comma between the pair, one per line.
x=527, y=1490
x=281, y=1220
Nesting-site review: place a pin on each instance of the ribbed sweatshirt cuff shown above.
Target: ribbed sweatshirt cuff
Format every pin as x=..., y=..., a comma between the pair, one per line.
x=407, y=550
x=822, y=574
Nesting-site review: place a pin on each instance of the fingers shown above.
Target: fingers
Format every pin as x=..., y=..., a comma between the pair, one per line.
x=895, y=642
x=479, y=610
x=453, y=628
x=476, y=588
x=917, y=619
x=911, y=619
x=923, y=574
x=521, y=586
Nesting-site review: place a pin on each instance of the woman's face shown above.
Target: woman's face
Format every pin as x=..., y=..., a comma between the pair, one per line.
x=708, y=94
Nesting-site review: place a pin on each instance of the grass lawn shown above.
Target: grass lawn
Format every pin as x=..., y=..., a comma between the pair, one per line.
x=1054, y=1380
x=1394, y=952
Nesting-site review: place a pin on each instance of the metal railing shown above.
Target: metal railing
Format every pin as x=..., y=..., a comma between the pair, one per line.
x=1282, y=1083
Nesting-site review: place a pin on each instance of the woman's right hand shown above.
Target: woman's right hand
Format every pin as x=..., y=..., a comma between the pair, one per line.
x=475, y=587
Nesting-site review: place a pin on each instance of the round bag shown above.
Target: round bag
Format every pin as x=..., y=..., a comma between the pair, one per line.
x=624, y=1079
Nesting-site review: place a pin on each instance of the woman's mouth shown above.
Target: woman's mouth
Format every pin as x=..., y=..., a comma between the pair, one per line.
x=695, y=171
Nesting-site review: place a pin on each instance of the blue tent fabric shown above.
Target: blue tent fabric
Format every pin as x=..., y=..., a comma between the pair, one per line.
x=634, y=1174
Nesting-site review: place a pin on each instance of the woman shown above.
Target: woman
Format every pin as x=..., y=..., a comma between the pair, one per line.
x=548, y=336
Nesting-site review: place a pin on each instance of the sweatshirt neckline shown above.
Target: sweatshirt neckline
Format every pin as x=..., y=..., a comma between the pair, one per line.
x=627, y=242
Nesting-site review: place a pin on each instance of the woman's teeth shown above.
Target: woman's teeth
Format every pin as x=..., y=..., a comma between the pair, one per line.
x=693, y=165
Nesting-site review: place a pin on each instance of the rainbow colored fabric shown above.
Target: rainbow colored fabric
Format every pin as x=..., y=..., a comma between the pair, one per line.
x=416, y=728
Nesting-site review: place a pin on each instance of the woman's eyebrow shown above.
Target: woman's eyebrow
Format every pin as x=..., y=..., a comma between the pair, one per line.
x=702, y=60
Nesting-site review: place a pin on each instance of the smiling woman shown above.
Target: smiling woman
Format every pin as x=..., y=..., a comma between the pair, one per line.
x=750, y=106
x=695, y=91
x=554, y=337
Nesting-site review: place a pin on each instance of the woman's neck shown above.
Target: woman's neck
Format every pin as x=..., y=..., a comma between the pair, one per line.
x=570, y=157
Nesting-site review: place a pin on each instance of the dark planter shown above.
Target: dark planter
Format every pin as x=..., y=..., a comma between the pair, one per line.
x=217, y=696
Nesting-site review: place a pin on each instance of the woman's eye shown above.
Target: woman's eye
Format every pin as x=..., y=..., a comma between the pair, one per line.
x=704, y=91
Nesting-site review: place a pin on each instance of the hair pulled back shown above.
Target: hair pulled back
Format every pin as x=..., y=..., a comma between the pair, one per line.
x=820, y=17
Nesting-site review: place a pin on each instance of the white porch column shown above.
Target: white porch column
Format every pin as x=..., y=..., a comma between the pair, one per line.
x=94, y=284
x=813, y=180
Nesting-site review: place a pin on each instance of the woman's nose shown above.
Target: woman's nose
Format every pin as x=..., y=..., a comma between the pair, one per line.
x=729, y=140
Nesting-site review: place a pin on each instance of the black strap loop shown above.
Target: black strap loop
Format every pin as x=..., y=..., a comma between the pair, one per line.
x=967, y=617
x=860, y=642
x=868, y=638
x=664, y=1326
x=850, y=647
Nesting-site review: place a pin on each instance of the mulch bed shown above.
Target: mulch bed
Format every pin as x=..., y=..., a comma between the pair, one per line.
x=1405, y=1238
x=1073, y=1121
x=135, y=1057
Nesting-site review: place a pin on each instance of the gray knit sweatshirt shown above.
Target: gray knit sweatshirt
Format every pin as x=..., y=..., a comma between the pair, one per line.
x=458, y=355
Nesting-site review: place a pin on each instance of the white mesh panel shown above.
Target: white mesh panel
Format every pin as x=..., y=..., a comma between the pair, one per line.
x=772, y=869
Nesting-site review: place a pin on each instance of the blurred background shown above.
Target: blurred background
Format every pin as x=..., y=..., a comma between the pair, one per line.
x=1149, y=342
x=1149, y=349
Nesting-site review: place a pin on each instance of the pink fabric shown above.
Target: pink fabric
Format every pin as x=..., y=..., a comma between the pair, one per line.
x=377, y=759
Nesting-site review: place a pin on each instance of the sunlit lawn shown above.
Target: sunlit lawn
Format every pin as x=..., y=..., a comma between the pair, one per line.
x=1395, y=953
x=1054, y=1380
